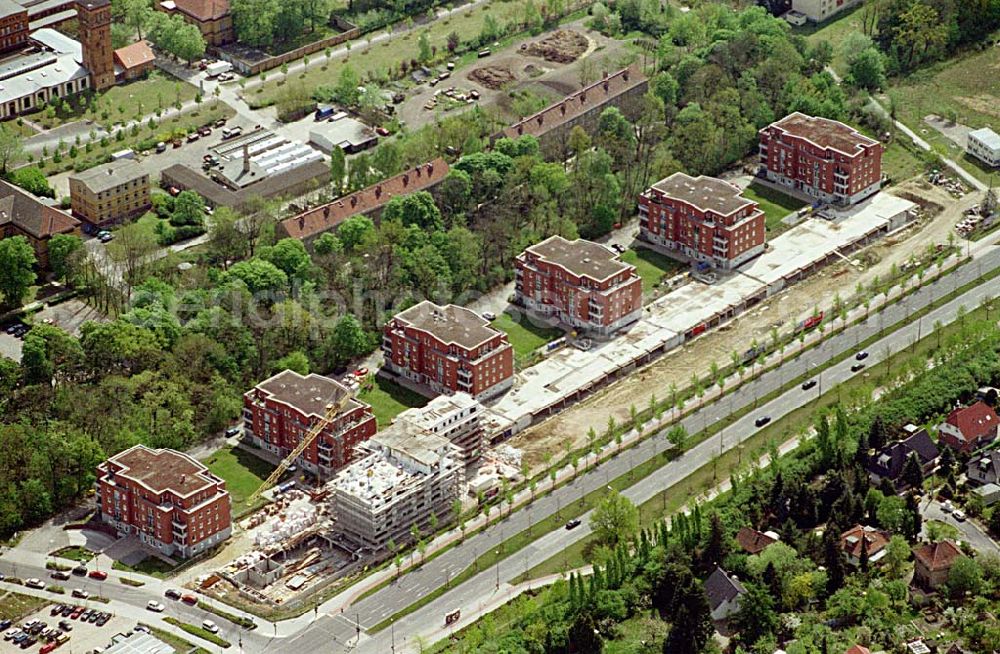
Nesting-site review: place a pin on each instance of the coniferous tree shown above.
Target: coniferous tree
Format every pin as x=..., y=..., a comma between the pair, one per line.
x=915, y=522
x=913, y=474
x=833, y=559
x=691, y=623
x=583, y=636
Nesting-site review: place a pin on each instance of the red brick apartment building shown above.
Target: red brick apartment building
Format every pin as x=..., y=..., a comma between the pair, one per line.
x=13, y=25
x=823, y=158
x=582, y=283
x=448, y=349
x=279, y=411
x=702, y=218
x=165, y=498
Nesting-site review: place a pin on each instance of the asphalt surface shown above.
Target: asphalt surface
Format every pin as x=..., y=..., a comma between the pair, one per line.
x=340, y=632
x=968, y=530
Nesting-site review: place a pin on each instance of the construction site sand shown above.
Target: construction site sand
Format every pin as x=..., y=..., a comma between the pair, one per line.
x=788, y=307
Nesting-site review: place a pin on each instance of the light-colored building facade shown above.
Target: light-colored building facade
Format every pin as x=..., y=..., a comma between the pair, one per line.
x=165, y=498
x=448, y=349
x=281, y=410
x=455, y=417
x=702, y=218
x=821, y=158
x=818, y=11
x=110, y=194
x=984, y=144
x=405, y=476
x=583, y=284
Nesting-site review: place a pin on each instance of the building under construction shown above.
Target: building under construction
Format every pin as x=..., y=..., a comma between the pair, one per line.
x=407, y=476
x=455, y=417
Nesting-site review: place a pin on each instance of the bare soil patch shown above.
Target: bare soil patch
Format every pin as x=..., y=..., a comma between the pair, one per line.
x=493, y=77
x=561, y=46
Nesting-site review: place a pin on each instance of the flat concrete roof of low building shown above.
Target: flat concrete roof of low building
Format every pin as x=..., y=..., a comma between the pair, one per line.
x=413, y=441
x=705, y=193
x=343, y=132
x=580, y=257
x=449, y=324
x=987, y=136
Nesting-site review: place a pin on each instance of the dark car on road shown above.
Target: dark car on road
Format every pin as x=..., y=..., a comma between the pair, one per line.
x=862, y=355
x=573, y=524
x=857, y=366
x=808, y=384
x=763, y=420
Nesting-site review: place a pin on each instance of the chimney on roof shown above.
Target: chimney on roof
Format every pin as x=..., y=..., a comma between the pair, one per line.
x=326, y=211
x=302, y=221
x=583, y=98
x=625, y=74
x=183, y=478
x=246, y=158
x=430, y=169
x=607, y=85
x=562, y=108
x=605, y=75
x=520, y=130
x=540, y=119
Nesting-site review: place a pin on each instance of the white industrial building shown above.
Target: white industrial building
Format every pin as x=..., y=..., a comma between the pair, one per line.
x=54, y=70
x=343, y=132
x=984, y=144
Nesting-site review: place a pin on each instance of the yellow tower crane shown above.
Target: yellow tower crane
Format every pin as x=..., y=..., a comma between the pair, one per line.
x=332, y=410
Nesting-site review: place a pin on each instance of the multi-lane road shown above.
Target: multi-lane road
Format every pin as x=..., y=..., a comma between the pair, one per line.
x=339, y=631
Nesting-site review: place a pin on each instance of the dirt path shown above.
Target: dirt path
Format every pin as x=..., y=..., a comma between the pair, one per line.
x=786, y=308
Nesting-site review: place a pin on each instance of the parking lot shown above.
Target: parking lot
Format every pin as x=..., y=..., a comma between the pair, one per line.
x=84, y=636
x=68, y=315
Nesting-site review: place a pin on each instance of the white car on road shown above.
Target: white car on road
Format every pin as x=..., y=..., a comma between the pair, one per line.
x=210, y=626
x=153, y=605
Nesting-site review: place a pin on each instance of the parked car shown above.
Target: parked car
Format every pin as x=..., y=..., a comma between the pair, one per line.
x=100, y=575
x=103, y=619
x=10, y=633
x=79, y=593
x=808, y=384
x=233, y=431
x=573, y=524
x=947, y=506
x=161, y=147
x=28, y=642
x=66, y=625
x=80, y=570
x=4, y=624
x=204, y=130
x=60, y=575
x=489, y=315
x=959, y=515
x=857, y=366
x=155, y=606
x=172, y=593
x=34, y=583
x=210, y=626
x=381, y=131
x=192, y=137
x=56, y=610
x=190, y=599
x=142, y=628
x=619, y=248
x=45, y=649
x=220, y=122
x=763, y=420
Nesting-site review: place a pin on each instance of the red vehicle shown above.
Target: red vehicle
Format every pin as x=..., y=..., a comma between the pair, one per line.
x=76, y=612
x=189, y=599
x=100, y=575
x=361, y=372
x=812, y=321
x=47, y=648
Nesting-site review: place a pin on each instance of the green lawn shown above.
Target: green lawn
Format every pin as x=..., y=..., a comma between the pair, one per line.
x=74, y=553
x=389, y=399
x=775, y=205
x=180, y=645
x=956, y=89
x=120, y=103
x=150, y=566
x=366, y=59
x=14, y=606
x=525, y=336
x=651, y=266
x=834, y=31
x=243, y=473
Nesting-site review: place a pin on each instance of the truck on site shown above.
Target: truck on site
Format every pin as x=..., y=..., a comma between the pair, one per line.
x=217, y=68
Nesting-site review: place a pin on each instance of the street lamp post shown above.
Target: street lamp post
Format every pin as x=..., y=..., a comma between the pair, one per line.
x=497, y=553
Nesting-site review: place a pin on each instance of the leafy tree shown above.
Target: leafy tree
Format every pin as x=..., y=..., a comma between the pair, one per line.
x=349, y=340
x=414, y=209
x=355, y=231
x=756, y=618
x=296, y=361
x=288, y=255
x=897, y=553
x=965, y=576
x=189, y=209
x=338, y=170
x=226, y=240
x=33, y=180
x=260, y=276
x=11, y=149
x=615, y=519
x=17, y=274
x=64, y=250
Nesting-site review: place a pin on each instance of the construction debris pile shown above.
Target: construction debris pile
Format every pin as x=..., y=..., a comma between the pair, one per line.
x=561, y=46
x=280, y=523
x=955, y=187
x=492, y=77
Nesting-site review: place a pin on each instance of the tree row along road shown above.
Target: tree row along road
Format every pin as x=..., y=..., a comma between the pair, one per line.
x=339, y=631
x=342, y=629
